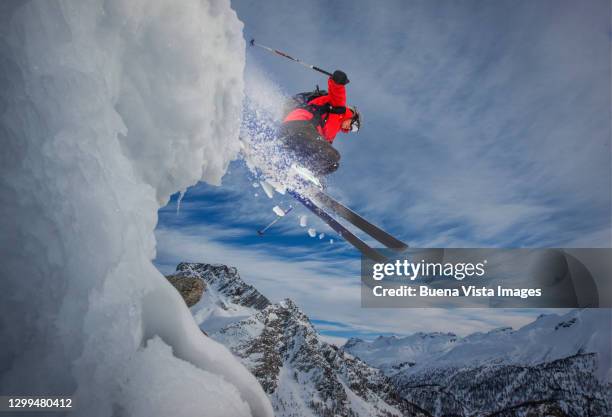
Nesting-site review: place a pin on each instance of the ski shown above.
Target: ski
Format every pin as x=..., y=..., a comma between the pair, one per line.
x=346, y=234
x=358, y=221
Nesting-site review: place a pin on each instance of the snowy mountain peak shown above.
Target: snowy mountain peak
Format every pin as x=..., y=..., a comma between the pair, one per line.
x=226, y=281
x=304, y=375
x=288, y=315
x=353, y=341
x=559, y=355
x=289, y=304
x=226, y=297
x=549, y=338
x=392, y=353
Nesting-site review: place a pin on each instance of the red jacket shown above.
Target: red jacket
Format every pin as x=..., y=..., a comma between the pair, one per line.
x=332, y=122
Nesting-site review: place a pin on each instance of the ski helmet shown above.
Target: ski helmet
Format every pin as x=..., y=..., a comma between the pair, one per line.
x=355, y=120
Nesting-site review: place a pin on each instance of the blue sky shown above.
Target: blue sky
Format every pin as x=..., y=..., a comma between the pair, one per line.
x=486, y=124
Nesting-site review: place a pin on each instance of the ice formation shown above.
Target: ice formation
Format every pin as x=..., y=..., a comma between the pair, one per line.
x=303, y=221
x=106, y=109
x=268, y=189
x=278, y=211
x=312, y=232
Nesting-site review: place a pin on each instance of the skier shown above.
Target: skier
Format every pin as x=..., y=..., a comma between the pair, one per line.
x=309, y=130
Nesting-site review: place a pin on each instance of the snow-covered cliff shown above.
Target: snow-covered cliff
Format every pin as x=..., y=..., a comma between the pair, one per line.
x=107, y=107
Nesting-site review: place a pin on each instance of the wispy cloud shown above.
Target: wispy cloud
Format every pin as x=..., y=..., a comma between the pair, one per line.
x=486, y=125
x=327, y=288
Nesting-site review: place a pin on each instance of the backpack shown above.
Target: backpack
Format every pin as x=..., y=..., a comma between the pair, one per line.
x=301, y=100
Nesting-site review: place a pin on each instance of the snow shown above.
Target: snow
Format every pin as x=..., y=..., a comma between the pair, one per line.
x=549, y=338
x=108, y=109
x=386, y=351
x=280, y=344
x=333, y=340
x=361, y=407
x=546, y=339
x=306, y=174
x=170, y=389
x=214, y=312
x=278, y=211
x=268, y=189
x=291, y=397
x=264, y=153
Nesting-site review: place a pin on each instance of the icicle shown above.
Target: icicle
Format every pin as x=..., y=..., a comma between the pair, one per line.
x=180, y=199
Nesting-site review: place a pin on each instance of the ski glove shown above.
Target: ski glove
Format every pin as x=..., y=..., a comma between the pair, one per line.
x=340, y=77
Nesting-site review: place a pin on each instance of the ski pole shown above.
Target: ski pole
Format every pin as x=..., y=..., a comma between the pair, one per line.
x=281, y=53
x=262, y=231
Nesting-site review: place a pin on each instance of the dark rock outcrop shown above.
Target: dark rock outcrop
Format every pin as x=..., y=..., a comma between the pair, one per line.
x=226, y=280
x=190, y=288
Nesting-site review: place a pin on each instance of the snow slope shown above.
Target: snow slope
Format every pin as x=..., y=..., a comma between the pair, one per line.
x=106, y=109
x=227, y=298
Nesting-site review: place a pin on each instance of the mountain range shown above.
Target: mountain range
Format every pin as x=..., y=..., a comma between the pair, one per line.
x=556, y=365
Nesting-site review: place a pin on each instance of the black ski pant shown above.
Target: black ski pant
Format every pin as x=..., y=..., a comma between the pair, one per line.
x=304, y=144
